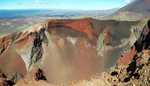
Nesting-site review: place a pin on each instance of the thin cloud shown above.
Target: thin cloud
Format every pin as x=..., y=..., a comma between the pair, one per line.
x=129, y=1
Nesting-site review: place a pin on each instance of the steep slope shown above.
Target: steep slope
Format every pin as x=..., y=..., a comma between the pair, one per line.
x=136, y=10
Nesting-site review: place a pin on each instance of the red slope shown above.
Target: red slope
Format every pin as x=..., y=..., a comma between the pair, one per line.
x=80, y=25
x=11, y=62
x=126, y=57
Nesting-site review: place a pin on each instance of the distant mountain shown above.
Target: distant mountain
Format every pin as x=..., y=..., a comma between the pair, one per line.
x=138, y=6
x=12, y=14
x=137, y=9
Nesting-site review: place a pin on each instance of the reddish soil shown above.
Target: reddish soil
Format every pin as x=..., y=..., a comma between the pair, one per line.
x=80, y=25
x=126, y=58
x=11, y=62
x=23, y=41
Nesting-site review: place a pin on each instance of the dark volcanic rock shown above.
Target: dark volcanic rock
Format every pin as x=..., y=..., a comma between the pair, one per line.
x=144, y=40
x=39, y=75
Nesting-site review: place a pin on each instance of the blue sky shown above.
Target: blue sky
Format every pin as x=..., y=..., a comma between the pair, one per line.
x=63, y=4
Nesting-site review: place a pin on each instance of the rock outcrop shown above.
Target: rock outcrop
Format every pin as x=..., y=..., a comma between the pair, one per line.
x=142, y=42
x=37, y=49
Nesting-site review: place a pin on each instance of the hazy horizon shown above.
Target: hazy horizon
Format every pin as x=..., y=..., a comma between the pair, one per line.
x=62, y=5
